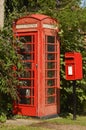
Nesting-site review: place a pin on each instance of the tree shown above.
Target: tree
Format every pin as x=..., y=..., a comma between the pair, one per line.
x=72, y=23
x=8, y=81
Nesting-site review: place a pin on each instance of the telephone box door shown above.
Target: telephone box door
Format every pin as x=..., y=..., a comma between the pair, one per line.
x=27, y=88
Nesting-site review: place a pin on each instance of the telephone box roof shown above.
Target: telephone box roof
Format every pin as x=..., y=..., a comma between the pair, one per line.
x=38, y=17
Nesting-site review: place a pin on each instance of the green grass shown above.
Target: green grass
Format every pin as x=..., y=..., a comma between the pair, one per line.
x=11, y=127
x=80, y=120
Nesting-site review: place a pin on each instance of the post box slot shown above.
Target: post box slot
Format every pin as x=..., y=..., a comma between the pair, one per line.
x=69, y=58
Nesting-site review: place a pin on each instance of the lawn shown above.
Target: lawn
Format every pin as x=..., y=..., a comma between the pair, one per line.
x=11, y=127
x=58, y=123
x=80, y=120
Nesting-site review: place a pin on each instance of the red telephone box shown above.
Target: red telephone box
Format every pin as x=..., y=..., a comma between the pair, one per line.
x=39, y=87
x=73, y=65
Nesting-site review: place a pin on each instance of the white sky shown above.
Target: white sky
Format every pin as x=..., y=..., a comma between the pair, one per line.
x=83, y=3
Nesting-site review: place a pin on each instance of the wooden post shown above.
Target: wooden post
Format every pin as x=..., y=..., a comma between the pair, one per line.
x=74, y=100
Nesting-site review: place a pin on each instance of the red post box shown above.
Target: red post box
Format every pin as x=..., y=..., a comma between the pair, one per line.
x=39, y=87
x=73, y=65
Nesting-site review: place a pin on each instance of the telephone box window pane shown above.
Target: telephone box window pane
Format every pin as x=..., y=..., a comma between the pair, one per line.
x=27, y=64
x=27, y=83
x=50, y=39
x=27, y=74
x=51, y=100
x=50, y=48
x=50, y=74
x=51, y=56
x=29, y=101
x=50, y=65
x=27, y=48
x=51, y=82
x=51, y=91
x=27, y=57
x=25, y=39
x=22, y=50
x=30, y=47
x=24, y=92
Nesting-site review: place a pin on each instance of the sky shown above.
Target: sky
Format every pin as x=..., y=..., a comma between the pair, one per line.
x=83, y=3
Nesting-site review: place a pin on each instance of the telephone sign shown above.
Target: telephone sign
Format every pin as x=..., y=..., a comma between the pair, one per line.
x=73, y=65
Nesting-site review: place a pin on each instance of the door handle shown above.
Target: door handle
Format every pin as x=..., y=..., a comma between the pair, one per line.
x=36, y=65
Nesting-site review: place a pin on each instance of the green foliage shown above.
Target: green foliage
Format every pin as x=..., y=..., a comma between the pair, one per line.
x=3, y=118
x=8, y=82
x=8, y=59
x=72, y=39
x=6, y=103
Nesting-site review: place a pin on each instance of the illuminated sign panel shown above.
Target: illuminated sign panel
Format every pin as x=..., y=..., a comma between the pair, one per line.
x=20, y=26
x=50, y=26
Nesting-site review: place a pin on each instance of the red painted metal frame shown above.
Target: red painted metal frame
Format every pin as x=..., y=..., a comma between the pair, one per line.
x=40, y=26
x=29, y=109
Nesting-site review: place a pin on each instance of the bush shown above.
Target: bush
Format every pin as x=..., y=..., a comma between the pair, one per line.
x=3, y=118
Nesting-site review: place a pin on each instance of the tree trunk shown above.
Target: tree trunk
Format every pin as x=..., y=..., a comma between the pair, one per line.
x=1, y=14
